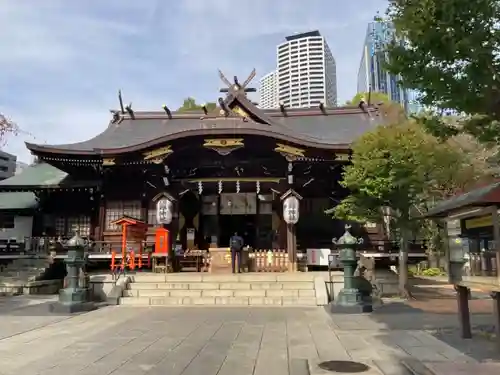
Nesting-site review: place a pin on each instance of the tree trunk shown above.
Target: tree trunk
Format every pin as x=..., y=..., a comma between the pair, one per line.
x=403, y=265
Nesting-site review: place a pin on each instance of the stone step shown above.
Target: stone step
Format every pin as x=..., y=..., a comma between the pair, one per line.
x=10, y=267
x=18, y=276
x=36, y=263
x=290, y=285
x=221, y=278
x=198, y=293
x=221, y=301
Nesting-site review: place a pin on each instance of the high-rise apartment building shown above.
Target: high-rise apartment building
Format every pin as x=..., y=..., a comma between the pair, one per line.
x=305, y=74
x=373, y=77
x=7, y=165
x=268, y=91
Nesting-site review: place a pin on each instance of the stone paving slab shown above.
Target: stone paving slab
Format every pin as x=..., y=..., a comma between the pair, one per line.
x=20, y=314
x=211, y=341
x=463, y=369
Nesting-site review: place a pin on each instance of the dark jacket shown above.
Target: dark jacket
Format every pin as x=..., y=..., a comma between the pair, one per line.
x=236, y=243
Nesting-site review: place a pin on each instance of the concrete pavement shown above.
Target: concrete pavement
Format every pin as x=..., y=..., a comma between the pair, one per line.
x=206, y=340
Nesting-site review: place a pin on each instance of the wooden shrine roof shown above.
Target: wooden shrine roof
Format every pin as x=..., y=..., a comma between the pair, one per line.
x=481, y=196
x=18, y=201
x=328, y=128
x=42, y=176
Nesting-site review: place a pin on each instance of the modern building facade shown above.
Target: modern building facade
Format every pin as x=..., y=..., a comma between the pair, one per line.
x=268, y=91
x=8, y=165
x=373, y=77
x=306, y=72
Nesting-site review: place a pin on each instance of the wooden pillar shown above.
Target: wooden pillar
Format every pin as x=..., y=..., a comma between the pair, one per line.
x=291, y=204
x=291, y=246
x=463, y=311
x=496, y=315
x=291, y=240
x=94, y=215
x=144, y=198
x=218, y=222
x=496, y=238
x=101, y=218
x=257, y=223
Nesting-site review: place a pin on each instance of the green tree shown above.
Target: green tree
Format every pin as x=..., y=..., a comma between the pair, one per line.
x=190, y=104
x=402, y=168
x=391, y=111
x=374, y=98
x=449, y=52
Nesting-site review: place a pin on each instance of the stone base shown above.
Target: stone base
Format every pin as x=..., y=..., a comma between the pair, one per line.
x=61, y=308
x=351, y=301
x=350, y=309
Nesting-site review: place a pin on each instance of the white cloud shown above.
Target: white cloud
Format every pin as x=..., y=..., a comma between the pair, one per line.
x=62, y=62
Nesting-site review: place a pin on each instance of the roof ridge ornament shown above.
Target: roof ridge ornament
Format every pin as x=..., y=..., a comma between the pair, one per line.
x=236, y=86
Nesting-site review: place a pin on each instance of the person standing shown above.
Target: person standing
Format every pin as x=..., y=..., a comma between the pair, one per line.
x=236, y=244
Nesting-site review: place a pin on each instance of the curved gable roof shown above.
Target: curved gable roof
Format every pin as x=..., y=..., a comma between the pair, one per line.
x=334, y=128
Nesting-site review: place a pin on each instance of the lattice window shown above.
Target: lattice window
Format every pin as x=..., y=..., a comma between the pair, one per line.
x=60, y=226
x=68, y=226
x=80, y=224
x=117, y=209
x=152, y=214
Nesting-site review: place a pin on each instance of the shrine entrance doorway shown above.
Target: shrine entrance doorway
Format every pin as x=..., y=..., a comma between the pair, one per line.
x=244, y=225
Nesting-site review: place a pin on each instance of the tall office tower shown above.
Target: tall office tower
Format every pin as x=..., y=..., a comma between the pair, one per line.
x=268, y=91
x=371, y=74
x=306, y=72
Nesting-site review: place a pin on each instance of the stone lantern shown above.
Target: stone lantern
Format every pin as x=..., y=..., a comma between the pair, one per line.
x=74, y=298
x=350, y=299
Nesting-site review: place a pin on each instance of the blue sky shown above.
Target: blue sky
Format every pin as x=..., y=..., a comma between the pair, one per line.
x=62, y=62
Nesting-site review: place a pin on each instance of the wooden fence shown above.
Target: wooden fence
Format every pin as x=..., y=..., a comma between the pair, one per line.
x=275, y=260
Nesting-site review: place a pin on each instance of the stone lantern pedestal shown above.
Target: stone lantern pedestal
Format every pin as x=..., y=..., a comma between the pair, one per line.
x=350, y=300
x=74, y=297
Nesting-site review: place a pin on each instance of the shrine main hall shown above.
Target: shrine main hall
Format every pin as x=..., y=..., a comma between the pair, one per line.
x=223, y=170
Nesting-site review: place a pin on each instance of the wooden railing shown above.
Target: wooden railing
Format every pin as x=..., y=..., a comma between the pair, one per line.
x=275, y=260
x=256, y=260
x=45, y=245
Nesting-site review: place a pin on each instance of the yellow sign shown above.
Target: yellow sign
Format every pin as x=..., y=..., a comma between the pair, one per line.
x=223, y=142
x=342, y=157
x=289, y=150
x=108, y=161
x=158, y=153
x=479, y=222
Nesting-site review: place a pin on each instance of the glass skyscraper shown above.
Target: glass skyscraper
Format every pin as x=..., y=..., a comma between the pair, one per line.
x=373, y=77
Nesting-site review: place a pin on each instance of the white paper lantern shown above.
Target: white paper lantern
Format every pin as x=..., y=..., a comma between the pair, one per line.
x=291, y=210
x=164, y=211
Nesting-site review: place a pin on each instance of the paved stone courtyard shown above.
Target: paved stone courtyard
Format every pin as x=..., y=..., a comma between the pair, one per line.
x=224, y=341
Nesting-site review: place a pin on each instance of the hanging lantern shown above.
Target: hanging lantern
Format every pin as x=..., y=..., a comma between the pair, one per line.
x=291, y=210
x=164, y=211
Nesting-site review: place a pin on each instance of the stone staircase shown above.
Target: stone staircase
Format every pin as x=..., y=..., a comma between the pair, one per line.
x=257, y=289
x=29, y=269
x=20, y=272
